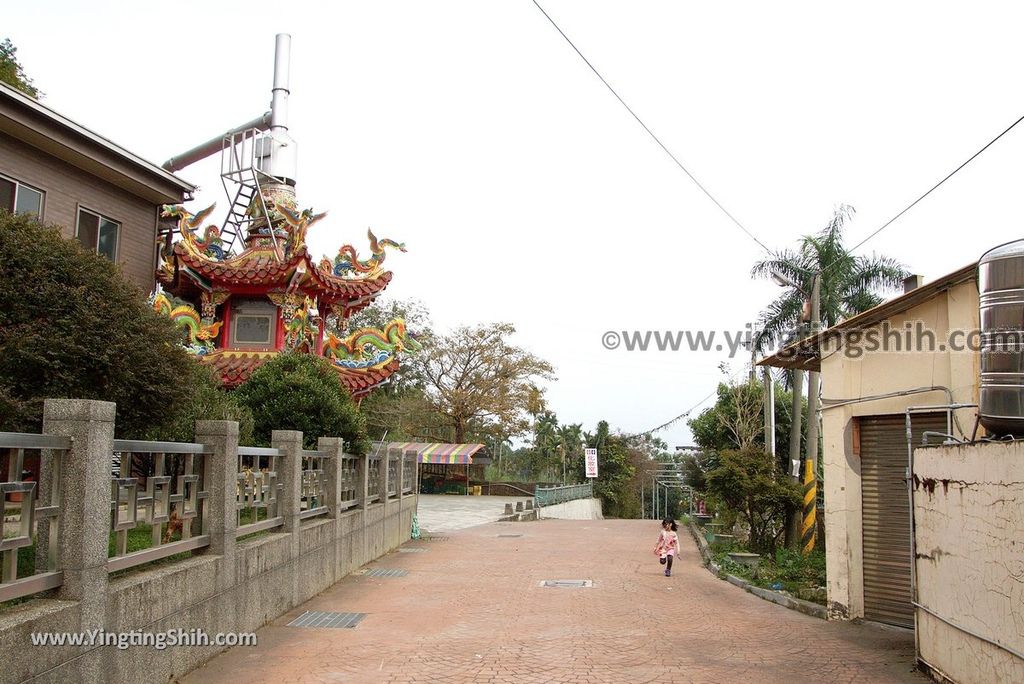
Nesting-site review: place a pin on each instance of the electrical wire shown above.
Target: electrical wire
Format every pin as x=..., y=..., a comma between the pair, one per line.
x=649, y=131
x=932, y=189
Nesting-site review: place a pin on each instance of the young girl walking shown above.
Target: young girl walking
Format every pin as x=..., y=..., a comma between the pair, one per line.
x=668, y=544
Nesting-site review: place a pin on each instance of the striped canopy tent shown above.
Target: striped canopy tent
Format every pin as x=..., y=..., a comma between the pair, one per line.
x=436, y=452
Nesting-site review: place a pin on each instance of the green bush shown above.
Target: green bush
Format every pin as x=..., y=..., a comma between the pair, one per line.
x=302, y=392
x=746, y=482
x=71, y=326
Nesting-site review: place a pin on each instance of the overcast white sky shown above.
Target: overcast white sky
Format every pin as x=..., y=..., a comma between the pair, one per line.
x=524, y=191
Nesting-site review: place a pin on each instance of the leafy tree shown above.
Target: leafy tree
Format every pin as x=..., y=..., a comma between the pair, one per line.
x=476, y=379
x=12, y=73
x=712, y=434
x=302, y=392
x=749, y=484
x=72, y=326
x=417, y=323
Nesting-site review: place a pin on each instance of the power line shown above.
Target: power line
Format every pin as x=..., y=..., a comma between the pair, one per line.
x=649, y=131
x=934, y=187
x=688, y=411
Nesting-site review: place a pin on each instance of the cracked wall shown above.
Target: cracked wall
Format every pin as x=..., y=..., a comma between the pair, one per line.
x=969, y=532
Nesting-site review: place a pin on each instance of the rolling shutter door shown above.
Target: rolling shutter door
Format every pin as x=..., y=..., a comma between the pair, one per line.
x=886, y=513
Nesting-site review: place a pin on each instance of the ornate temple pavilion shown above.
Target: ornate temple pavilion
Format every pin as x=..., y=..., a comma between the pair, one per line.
x=236, y=311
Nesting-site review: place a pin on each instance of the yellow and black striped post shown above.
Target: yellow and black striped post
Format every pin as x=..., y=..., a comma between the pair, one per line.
x=810, y=527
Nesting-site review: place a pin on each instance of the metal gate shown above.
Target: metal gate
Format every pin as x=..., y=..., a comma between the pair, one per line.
x=886, y=513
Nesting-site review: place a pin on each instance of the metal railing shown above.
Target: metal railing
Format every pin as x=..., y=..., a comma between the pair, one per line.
x=314, y=485
x=549, y=496
x=160, y=486
x=29, y=519
x=257, y=499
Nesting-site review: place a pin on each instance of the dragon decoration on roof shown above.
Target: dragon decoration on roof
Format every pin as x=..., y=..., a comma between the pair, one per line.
x=275, y=267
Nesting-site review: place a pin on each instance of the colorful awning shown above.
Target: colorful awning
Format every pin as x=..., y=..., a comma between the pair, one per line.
x=435, y=452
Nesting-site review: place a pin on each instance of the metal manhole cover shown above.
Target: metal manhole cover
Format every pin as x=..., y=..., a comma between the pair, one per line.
x=568, y=584
x=411, y=549
x=385, y=572
x=319, y=618
x=510, y=535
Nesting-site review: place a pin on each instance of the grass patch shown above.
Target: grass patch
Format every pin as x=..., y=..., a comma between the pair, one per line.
x=787, y=571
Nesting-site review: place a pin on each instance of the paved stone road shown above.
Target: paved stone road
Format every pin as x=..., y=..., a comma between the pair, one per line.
x=444, y=513
x=471, y=610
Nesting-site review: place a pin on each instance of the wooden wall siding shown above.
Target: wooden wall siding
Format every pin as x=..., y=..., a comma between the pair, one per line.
x=67, y=187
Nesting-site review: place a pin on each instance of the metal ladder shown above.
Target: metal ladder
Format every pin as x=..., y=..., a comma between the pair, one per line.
x=240, y=176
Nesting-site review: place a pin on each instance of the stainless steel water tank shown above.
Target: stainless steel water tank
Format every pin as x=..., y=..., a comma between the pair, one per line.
x=1001, y=289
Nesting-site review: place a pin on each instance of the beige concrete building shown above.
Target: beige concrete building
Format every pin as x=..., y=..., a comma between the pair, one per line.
x=98, y=192
x=912, y=351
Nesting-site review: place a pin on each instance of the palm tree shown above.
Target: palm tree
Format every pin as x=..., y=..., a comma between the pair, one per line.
x=569, y=441
x=545, y=437
x=847, y=285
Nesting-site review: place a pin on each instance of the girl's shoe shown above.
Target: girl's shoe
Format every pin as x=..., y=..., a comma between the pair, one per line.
x=668, y=573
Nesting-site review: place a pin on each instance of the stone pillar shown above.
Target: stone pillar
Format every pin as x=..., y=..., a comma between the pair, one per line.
x=334, y=449
x=364, y=479
x=220, y=475
x=84, y=533
x=289, y=442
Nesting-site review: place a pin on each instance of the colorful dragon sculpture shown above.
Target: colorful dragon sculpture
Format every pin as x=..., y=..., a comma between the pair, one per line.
x=200, y=335
x=210, y=244
x=368, y=347
x=298, y=223
x=301, y=330
x=348, y=262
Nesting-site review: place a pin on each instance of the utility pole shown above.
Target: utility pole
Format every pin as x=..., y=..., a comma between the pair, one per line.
x=769, y=413
x=810, y=489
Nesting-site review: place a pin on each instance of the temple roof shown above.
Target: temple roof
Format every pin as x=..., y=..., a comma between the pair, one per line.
x=264, y=267
x=235, y=367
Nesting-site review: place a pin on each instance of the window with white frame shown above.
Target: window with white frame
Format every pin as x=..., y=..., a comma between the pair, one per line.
x=98, y=233
x=19, y=198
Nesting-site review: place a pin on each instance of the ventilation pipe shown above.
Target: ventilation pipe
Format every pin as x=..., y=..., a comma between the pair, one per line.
x=279, y=158
x=277, y=152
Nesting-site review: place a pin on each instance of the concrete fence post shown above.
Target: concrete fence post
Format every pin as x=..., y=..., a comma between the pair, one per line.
x=334, y=448
x=220, y=475
x=289, y=442
x=364, y=481
x=84, y=532
x=83, y=537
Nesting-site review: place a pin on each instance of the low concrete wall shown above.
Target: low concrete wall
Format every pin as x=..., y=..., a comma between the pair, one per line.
x=230, y=586
x=580, y=509
x=265, y=582
x=969, y=513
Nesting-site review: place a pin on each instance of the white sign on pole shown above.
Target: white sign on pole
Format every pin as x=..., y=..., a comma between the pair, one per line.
x=591, y=459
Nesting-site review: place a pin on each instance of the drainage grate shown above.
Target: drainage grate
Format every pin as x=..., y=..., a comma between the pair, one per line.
x=510, y=535
x=433, y=539
x=319, y=618
x=411, y=549
x=569, y=584
x=386, y=572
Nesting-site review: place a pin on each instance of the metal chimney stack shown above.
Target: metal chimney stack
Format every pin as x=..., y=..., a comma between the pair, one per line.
x=279, y=156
